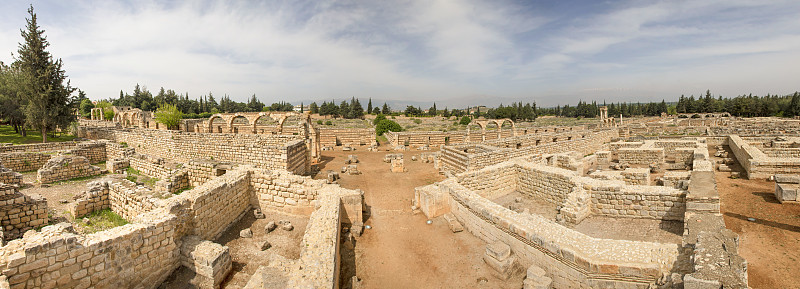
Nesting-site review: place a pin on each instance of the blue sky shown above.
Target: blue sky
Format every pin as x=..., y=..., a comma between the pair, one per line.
x=452, y=52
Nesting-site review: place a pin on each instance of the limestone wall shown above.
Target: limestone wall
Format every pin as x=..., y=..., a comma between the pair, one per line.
x=24, y=161
x=757, y=164
x=650, y=202
x=641, y=156
x=137, y=255
x=279, y=189
x=573, y=259
x=480, y=156
x=95, y=198
x=219, y=203
x=19, y=212
x=545, y=183
x=39, y=147
x=128, y=200
x=264, y=151
x=66, y=167
x=782, y=152
x=491, y=182
x=346, y=136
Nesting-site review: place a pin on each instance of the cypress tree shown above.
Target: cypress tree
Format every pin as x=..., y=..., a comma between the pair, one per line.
x=49, y=97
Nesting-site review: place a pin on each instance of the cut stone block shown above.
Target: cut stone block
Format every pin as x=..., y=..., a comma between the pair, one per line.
x=786, y=192
x=787, y=179
x=498, y=250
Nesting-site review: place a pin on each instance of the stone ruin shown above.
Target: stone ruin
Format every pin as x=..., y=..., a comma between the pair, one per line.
x=555, y=190
x=527, y=193
x=202, y=189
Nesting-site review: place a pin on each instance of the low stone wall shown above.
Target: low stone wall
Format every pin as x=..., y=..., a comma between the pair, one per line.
x=219, y=203
x=461, y=158
x=641, y=156
x=276, y=189
x=95, y=198
x=137, y=255
x=650, y=202
x=66, y=167
x=573, y=259
x=757, y=164
x=264, y=151
x=346, y=136
x=19, y=212
x=9, y=177
x=39, y=147
x=24, y=161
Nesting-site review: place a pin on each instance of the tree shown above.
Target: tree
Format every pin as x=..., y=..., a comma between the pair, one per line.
x=86, y=107
x=369, y=106
x=254, y=104
x=49, y=97
x=169, y=115
x=378, y=119
x=387, y=125
x=12, y=100
x=465, y=120
x=432, y=111
x=313, y=107
x=385, y=109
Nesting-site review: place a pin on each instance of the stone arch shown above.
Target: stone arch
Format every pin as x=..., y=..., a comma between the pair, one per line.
x=259, y=118
x=210, y=127
x=294, y=121
x=231, y=119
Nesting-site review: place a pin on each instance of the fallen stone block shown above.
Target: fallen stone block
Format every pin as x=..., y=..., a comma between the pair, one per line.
x=270, y=226
x=453, y=223
x=258, y=214
x=786, y=192
x=246, y=233
x=265, y=245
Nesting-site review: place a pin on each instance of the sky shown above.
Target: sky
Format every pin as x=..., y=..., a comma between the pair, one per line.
x=458, y=53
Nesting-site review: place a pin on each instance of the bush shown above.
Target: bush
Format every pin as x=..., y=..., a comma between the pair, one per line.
x=319, y=121
x=465, y=120
x=378, y=119
x=387, y=125
x=329, y=123
x=417, y=121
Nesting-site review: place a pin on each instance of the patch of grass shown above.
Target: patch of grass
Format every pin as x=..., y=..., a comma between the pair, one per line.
x=132, y=171
x=8, y=135
x=123, y=144
x=73, y=180
x=131, y=178
x=183, y=190
x=99, y=221
x=149, y=182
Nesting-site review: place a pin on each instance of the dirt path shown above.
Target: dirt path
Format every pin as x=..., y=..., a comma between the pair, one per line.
x=771, y=243
x=401, y=250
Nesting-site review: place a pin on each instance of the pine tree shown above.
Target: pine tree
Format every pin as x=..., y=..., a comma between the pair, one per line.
x=369, y=106
x=385, y=110
x=49, y=98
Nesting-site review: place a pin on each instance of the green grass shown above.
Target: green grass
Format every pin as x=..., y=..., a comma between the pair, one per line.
x=78, y=179
x=7, y=135
x=183, y=190
x=99, y=221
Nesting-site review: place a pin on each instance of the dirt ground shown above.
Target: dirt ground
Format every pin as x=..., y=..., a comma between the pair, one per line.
x=771, y=243
x=401, y=250
x=56, y=192
x=646, y=230
x=246, y=253
x=533, y=205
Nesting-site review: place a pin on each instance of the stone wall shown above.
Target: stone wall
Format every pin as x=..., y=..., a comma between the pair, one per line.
x=346, y=136
x=650, y=202
x=757, y=164
x=137, y=255
x=66, y=167
x=24, y=161
x=265, y=151
x=461, y=158
x=19, y=212
x=573, y=259
x=219, y=203
x=641, y=156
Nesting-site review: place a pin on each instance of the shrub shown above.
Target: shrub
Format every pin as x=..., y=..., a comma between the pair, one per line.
x=465, y=120
x=319, y=121
x=417, y=121
x=378, y=119
x=329, y=123
x=387, y=125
